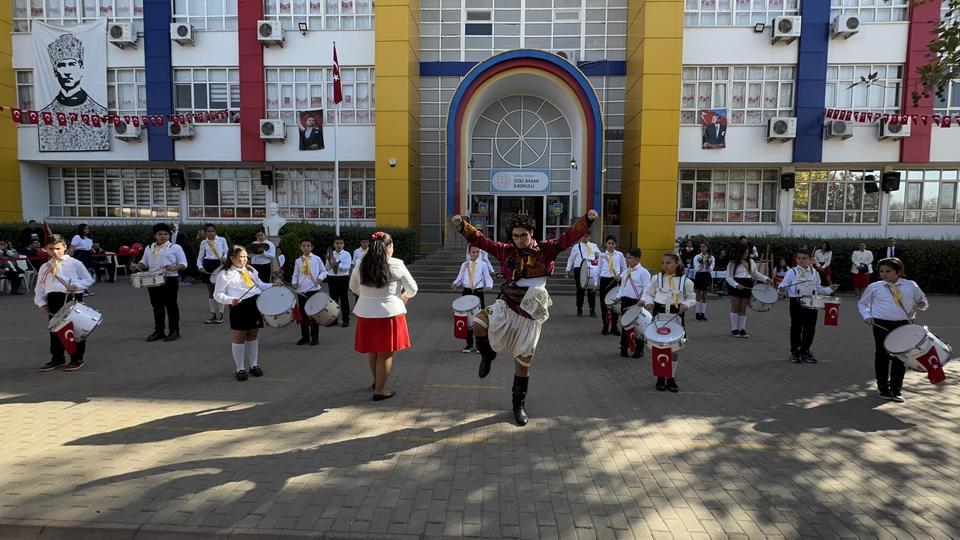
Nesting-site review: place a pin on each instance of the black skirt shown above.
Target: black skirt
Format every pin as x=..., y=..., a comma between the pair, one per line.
x=701, y=281
x=741, y=293
x=209, y=265
x=246, y=315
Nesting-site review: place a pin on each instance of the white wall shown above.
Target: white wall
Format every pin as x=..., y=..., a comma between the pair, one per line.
x=116, y=57
x=354, y=48
x=745, y=144
x=353, y=143
x=211, y=49
x=34, y=190
x=876, y=43
x=734, y=45
x=863, y=147
x=945, y=145
x=28, y=149
x=212, y=142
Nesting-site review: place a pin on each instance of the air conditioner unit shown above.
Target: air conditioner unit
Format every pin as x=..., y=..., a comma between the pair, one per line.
x=781, y=128
x=571, y=55
x=839, y=129
x=122, y=35
x=182, y=33
x=270, y=33
x=785, y=29
x=890, y=131
x=845, y=26
x=126, y=131
x=272, y=129
x=180, y=131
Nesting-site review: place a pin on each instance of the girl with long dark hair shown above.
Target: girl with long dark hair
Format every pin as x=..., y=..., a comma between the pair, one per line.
x=742, y=275
x=670, y=292
x=703, y=265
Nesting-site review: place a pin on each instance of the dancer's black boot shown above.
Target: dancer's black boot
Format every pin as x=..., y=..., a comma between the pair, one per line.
x=519, y=397
x=487, y=355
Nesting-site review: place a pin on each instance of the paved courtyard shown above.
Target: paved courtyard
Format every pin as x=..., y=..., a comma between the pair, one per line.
x=158, y=440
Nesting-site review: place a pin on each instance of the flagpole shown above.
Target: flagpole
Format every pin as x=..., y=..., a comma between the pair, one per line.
x=336, y=159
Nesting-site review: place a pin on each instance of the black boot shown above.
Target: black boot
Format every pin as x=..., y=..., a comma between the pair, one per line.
x=520, y=385
x=487, y=355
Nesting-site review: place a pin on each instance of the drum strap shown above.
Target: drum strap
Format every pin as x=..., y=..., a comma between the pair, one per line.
x=633, y=283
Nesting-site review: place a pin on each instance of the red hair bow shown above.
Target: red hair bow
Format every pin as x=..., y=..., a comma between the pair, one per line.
x=379, y=235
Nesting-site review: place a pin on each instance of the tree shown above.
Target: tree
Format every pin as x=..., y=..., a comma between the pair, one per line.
x=944, y=65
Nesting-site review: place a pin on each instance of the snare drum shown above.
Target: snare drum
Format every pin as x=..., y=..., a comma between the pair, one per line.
x=665, y=332
x=818, y=302
x=635, y=319
x=276, y=305
x=586, y=276
x=321, y=308
x=911, y=341
x=464, y=309
x=147, y=279
x=763, y=297
x=85, y=319
x=611, y=300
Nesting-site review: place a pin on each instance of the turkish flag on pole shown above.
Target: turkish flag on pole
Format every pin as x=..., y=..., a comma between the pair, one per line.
x=337, y=87
x=662, y=362
x=931, y=361
x=66, y=337
x=831, y=314
x=460, y=326
x=47, y=231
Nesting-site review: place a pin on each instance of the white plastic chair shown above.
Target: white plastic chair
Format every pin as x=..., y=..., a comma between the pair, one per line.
x=29, y=274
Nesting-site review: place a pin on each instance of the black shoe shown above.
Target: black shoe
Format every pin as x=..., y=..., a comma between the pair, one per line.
x=256, y=371
x=795, y=358
x=623, y=352
x=639, y=353
x=661, y=384
x=579, y=313
x=156, y=336
x=672, y=385
x=520, y=385
x=212, y=319
x=381, y=397
x=172, y=336
x=52, y=365
x=241, y=375
x=593, y=314
x=314, y=342
x=219, y=319
x=895, y=395
x=487, y=355
x=346, y=324
x=883, y=393
x=703, y=317
x=615, y=331
x=303, y=341
x=744, y=334
x=697, y=317
x=735, y=333
x=605, y=331
x=808, y=358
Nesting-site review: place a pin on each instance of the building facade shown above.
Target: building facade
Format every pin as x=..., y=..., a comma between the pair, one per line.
x=695, y=117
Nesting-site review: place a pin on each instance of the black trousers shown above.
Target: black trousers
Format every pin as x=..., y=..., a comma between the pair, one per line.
x=803, y=325
x=625, y=303
x=483, y=303
x=890, y=369
x=591, y=294
x=263, y=270
x=309, y=328
x=100, y=267
x=164, y=302
x=16, y=281
x=339, y=287
x=607, y=283
x=55, y=301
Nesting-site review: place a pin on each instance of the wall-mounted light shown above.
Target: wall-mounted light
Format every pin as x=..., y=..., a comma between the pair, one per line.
x=759, y=27
x=573, y=163
x=392, y=161
x=473, y=163
x=303, y=28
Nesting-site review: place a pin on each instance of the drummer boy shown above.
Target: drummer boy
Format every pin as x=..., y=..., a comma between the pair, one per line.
x=308, y=274
x=168, y=258
x=474, y=277
x=59, y=277
x=800, y=281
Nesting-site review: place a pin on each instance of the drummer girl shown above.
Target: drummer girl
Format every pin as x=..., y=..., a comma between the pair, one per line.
x=741, y=275
x=703, y=264
x=308, y=274
x=670, y=288
x=59, y=278
x=885, y=305
x=238, y=286
x=475, y=276
x=211, y=255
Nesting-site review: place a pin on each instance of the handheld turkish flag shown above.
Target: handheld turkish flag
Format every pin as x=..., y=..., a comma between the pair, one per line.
x=831, y=314
x=47, y=231
x=67, y=338
x=662, y=362
x=460, y=326
x=631, y=341
x=337, y=87
x=931, y=361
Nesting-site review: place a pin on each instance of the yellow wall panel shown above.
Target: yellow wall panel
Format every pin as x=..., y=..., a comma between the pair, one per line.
x=663, y=127
x=662, y=55
x=11, y=208
x=661, y=20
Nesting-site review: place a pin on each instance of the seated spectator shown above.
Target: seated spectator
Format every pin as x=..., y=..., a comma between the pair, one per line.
x=102, y=264
x=36, y=255
x=9, y=268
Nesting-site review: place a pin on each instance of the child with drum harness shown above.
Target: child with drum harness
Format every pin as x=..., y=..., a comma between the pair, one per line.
x=670, y=288
x=60, y=278
x=210, y=256
x=799, y=282
x=308, y=274
x=633, y=282
x=475, y=276
x=886, y=305
x=169, y=259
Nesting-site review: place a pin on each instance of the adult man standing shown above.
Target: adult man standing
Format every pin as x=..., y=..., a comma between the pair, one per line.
x=890, y=251
x=311, y=137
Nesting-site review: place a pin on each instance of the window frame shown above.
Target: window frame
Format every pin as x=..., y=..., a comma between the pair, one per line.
x=841, y=79
x=224, y=21
x=319, y=14
x=293, y=183
x=922, y=182
x=249, y=196
x=738, y=13
x=868, y=12
x=137, y=193
x=720, y=205
x=693, y=89
x=24, y=13
x=232, y=95
x=837, y=187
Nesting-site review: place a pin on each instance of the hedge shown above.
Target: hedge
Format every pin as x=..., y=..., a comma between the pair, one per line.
x=931, y=263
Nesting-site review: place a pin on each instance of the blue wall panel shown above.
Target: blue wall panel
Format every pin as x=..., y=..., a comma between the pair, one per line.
x=812, y=80
x=159, y=74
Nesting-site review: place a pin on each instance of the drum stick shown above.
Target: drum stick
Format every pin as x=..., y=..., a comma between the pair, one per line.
x=248, y=290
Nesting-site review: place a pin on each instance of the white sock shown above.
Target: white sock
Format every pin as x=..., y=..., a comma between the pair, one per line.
x=219, y=307
x=743, y=322
x=734, y=321
x=253, y=351
x=237, y=349
x=213, y=305
x=703, y=308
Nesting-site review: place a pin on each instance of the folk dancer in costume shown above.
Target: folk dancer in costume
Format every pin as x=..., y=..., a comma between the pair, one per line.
x=163, y=299
x=612, y=265
x=239, y=286
x=742, y=274
x=803, y=280
x=670, y=292
x=263, y=262
x=585, y=250
x=513, y=323
x=886, y=305
x=211, y=256
x=634, y=281
x=475, y=276
x=338, y=275
x=59, y=277
x=703, y=265
x=308, y=275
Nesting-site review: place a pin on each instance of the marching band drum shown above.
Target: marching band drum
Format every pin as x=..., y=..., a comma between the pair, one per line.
x=321, y=308
x=147, y=279
x=612, y=301
x=635, y=319
x=665, y=332
x=763, y=297
x=912, y=342
x=464, y=309
x=818, y=302
x=85, y=319
x=276, y=306
x=586, y=276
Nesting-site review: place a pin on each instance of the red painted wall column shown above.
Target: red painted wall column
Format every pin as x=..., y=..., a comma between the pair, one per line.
x=924, y=20
x=252, y=91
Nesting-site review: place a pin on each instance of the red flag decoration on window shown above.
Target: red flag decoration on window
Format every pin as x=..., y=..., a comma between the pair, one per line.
x=931, y=361
x=17, y=115
x=337, y=87
x=662, y=362
x=831, y=314
x=67, y=338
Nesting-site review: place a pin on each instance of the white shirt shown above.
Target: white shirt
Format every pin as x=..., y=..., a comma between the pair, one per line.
x=207, y=252
x=484, y=256
x=878, y=301
x=744, y=271
x=614, y=260
x=267, y=256
x=810, y=285
x=81, y=243
x=305, y=283
x=821, y=259
x=861, y=257
x=71, y=272
x=383, y=302
x=282, y=259
x=634, y=281
x=699, y=265
x=358, y=255
x=583, y=251
x=155, y=256
x=230, y=286
x=481, y=276
x=670, y=291
x=342, y=261
x=890, y=251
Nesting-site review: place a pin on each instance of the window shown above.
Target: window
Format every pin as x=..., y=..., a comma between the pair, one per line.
x=126, y=92
x=358, y=102
x=226, y=193
x=871, y=10
x=206, y=14
x=69, y=12
x=291, y=90
x=728, y=196
x=846, y=87
x=948, y=102
x=121, y=193
x=926, y=197
x=321, y=14
x=308, y=193
x=736, y=12
x=835, y=197
x=25, y=90
x=207, y=89
x=752, y=94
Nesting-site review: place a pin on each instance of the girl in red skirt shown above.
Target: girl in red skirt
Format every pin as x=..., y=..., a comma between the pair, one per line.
x=383, y=285
x=862, y=267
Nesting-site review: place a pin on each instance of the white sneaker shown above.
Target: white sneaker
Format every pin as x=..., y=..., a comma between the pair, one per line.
x=466, y=350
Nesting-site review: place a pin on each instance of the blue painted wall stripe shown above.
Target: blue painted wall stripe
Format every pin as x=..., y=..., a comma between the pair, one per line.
x=812, y=81
x=595, y=68
x=158, y=67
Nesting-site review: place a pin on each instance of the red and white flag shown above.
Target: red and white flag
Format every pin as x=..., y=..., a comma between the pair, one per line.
x=67, y=338
x=831, y=314
x=337, y=87
x=662, y=362
x=931, y=361
x=460, y=326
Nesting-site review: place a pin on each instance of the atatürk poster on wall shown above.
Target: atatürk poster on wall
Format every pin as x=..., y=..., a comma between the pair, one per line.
x=70, y=76
x=714, y=124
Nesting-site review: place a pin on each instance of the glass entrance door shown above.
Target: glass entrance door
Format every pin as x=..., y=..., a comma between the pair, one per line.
x=508, y=206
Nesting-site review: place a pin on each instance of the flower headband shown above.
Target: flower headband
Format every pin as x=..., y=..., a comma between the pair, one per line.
x=379, y=235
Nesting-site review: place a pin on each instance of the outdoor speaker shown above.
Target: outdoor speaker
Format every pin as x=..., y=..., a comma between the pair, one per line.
x=891, y=181
x=788, y=180
x=870, y=184
x=176, y=178
x=266, y=178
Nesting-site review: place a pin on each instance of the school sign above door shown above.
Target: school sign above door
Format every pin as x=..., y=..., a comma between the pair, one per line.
x=520, y=181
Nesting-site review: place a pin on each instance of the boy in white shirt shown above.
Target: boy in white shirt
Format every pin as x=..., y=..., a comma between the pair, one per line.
x=211, y=254
x=800, y=281
x=585, y=250
x=634, y=280
x=612, y=265
x=339, y=263
x=360, y=252
x=474, y=277
x=308, y=274
x=59, y=277
x=163, y=299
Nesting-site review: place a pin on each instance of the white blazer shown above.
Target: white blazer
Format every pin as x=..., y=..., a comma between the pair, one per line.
x=383, y=302
x=861, y=257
